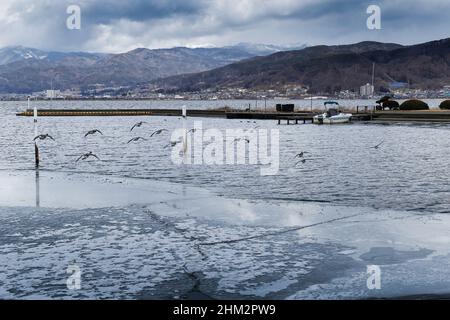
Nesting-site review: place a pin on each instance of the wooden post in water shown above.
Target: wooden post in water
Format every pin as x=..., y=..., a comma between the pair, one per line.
x=35, y=120
x=184, y=114
x=38, y=192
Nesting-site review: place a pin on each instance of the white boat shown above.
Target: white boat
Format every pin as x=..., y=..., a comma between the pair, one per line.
x=332, y=116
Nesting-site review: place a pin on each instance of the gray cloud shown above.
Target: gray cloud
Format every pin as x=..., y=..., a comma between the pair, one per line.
x=108, y=11
x=116, y=25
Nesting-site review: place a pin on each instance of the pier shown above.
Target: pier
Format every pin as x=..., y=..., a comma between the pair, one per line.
x=281, y=117
x=120, y=113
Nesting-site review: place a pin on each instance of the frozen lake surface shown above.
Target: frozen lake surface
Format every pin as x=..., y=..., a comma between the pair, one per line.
x=170, y=241
x=140, y=227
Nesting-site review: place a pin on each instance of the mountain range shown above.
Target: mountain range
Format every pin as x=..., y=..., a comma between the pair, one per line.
x=321, y=68
x=26, y=70
x=329, y=68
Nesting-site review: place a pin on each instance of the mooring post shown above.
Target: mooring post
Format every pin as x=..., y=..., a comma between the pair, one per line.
x=35, y=120
x=184, y=113
x=37, y=186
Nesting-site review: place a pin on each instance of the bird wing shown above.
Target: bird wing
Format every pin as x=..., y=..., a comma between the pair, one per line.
x=378, y=145
x=134, y=139
x=100, y=132
x=80, y=158
x=36, y=138
x=50, y=137
x=93, y=155
x=133, y=127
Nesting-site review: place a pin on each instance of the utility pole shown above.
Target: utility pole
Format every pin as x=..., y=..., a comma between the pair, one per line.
x=373, y=78
x=373, y=74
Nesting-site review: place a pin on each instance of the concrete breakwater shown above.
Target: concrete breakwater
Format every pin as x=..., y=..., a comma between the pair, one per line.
x=385, y=116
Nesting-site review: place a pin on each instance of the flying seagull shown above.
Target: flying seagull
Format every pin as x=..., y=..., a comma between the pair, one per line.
x=43, y=137
x=93, y=132
x=301, y=154
x=138, y=125
x=301, y=161
x=158, y=132
x=239, y=139
x=192, y=130
x=173, y=143
x=87, y=155
x=378, y=146
x=136, y=139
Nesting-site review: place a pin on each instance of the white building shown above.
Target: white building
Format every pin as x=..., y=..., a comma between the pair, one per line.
x=367, y=90
x=52, y=94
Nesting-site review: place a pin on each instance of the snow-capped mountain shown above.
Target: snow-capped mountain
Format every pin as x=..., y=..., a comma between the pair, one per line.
x=260, y=49
x=23, y=54
x=37, y=68
x=19, y=53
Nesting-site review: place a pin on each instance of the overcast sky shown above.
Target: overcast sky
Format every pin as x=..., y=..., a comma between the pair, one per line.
x=122, y=25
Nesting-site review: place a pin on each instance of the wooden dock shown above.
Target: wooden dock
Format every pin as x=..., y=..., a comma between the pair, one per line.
x=281, y=117
x=121, y=113
x=412, y=116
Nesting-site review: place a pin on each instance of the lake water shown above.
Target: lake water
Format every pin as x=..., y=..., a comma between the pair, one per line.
x=140, y=227
x=409, y=172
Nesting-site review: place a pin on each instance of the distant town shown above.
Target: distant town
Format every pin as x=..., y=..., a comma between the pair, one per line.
x=101, y=92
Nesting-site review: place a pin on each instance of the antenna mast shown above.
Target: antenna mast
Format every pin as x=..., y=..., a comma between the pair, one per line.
x=373, y=75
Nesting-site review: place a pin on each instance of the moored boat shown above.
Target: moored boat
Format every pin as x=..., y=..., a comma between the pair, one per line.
x=332, y=115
